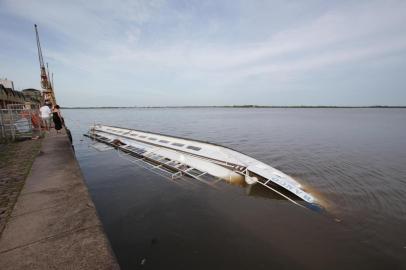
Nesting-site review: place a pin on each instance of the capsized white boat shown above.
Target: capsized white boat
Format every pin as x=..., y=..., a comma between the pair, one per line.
x=203, y=161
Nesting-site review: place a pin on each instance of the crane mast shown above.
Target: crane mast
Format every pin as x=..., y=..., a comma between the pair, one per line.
x=47, y=89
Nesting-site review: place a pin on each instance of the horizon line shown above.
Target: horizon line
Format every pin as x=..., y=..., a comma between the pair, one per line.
x=234, y=106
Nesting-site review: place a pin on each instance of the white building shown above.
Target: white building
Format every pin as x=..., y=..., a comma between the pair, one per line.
x=7, y=83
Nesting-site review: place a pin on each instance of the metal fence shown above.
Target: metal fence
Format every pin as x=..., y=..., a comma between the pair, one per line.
x=18, y=122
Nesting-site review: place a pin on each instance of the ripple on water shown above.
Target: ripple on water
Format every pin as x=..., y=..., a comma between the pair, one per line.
x=353, y=159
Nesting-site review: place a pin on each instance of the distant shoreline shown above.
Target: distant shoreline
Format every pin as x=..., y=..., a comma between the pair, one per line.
x=243, y=106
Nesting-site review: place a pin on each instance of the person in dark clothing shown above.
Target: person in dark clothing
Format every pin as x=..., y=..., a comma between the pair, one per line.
x=56, y=115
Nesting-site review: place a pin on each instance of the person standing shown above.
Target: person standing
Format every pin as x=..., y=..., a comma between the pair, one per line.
x=45, y=116
x=56, y=115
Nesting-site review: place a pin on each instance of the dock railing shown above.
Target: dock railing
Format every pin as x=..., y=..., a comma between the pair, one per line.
x=17, y=122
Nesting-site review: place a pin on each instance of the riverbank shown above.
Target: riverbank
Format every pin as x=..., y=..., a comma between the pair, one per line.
x=54, y=224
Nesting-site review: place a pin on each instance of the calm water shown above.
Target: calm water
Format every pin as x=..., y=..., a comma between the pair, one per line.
x=353, y=159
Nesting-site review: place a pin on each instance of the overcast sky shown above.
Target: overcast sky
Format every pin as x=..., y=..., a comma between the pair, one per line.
x=157, y=52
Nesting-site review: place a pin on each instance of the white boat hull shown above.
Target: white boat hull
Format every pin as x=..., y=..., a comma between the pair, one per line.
x=201, y=160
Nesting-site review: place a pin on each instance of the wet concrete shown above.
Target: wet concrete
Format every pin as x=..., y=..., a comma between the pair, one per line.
x=54, y=224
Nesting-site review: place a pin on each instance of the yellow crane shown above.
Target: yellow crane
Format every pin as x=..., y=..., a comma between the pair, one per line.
x=48, y=94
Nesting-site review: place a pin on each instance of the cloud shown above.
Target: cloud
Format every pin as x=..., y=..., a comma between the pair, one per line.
x=331, y=39
x=196, y=44
x=323, y=33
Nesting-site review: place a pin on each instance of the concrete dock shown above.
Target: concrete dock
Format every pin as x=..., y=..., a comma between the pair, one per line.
x=54, y=224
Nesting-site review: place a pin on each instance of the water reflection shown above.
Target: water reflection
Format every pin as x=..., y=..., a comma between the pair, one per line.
x=260, y=191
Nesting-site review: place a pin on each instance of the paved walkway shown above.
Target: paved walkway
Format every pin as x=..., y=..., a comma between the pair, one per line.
x=54, y=224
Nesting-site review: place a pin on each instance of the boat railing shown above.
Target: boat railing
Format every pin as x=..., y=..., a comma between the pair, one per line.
x=165, y=167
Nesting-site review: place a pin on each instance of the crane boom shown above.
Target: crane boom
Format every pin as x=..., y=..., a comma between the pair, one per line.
x=41, y=59
x=44, y=77
x=47, y=91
